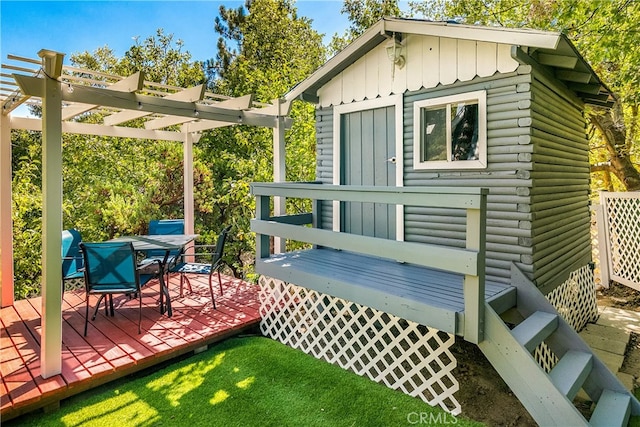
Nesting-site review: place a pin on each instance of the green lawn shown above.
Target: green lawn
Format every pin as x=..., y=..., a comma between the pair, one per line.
x=251, y=381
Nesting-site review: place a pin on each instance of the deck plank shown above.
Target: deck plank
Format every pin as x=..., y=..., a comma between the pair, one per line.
x=28, y=348
x=113, y=347
x=20, y=384
x=425, y=295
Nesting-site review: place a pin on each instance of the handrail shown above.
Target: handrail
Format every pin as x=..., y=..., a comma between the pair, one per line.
x=469, y=261
x=462, y=198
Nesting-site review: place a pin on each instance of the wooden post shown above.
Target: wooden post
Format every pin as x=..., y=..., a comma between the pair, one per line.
x=51, y=350
x=279, y=173
x=189, y=217
x=473, y=288
x=603, y=240
x=6, y=224
x=262, y=240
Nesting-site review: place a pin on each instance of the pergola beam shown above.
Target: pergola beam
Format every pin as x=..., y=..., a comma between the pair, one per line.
x=133, y=83
x=99, y=130
x=241, y=103
x=192, y=94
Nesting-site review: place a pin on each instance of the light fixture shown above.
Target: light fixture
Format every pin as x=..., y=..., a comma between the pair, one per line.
x=196, y=113
x=139, y=105
x=394, y=52
x=69, y=88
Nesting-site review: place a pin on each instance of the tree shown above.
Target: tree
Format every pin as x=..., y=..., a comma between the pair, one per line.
x=264, y=48
x=112, y=186
x=362, y=14
x=606, y=33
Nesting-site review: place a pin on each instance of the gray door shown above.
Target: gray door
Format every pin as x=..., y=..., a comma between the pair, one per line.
x=368, y=144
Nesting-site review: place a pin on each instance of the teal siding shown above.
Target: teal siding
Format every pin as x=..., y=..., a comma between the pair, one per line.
x=368, y=141
x=537, y=176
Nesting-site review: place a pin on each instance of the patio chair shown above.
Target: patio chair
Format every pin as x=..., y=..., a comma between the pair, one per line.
x=72, y=263
x=213, y=264
x=164, y=226
x=110, y=268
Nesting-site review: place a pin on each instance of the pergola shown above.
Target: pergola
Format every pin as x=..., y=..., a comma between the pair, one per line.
x=66, y=93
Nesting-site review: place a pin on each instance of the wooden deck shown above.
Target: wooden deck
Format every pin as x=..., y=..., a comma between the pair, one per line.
x=428, y=296
x=113, y=348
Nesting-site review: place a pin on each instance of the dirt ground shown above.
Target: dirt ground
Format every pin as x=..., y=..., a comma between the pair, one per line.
x=485, y=397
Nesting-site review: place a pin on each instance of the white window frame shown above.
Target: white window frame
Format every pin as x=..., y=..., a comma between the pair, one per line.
x=480, y=97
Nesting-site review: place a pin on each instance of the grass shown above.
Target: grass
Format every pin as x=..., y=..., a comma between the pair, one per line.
x=244, y=382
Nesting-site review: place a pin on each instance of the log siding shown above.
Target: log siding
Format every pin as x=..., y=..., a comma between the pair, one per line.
x=537, y=175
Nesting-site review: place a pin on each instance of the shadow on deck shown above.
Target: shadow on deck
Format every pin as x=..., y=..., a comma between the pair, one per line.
x=112, y=347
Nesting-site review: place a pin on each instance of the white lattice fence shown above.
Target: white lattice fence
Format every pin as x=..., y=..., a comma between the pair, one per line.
x=401, y=354
x=620, y=217
x=575, y=300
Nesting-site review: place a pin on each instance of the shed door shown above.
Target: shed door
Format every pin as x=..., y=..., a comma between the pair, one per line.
x=368, y=144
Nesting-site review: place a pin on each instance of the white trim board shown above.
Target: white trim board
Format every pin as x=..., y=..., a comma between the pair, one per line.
x=394, y=100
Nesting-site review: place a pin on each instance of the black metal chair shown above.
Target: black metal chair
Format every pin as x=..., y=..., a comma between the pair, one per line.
x=110, y=268
x=204, y=268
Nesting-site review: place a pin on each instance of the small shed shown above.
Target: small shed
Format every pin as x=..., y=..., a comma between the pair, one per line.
x=519, y=94
x=411, y=118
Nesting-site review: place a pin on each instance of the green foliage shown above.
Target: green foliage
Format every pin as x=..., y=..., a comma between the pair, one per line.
x=114, y=186
x=362, y=14
x=259, y=52
x=27, y=214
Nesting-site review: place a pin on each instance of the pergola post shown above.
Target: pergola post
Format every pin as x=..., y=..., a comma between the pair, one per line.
x=187, y=160
x=279, y=172
x=6, y=224
x=51, y=349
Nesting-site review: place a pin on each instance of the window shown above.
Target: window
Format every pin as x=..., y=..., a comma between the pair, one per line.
x=451, y=132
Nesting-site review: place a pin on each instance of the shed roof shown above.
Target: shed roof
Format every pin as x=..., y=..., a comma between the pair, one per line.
x=552, y=50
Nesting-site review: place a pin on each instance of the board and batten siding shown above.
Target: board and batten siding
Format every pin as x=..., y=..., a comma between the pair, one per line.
x=430, y=61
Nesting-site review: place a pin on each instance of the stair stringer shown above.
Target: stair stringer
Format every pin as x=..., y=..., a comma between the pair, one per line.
x=565, y=338
x=531, y=385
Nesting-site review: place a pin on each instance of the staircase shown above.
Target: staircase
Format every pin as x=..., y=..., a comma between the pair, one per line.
x=549, y=397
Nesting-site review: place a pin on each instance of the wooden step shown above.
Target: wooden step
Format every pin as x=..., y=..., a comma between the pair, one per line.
x=535, y=329
x=571, y=371
x=613, y=410
x=503, y=301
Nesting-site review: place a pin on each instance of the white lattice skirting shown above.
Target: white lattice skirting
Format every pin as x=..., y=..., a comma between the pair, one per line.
x=576, y=302
x=401, y=354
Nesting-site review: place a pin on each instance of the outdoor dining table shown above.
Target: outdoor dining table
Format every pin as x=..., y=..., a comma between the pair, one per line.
x=167, y=242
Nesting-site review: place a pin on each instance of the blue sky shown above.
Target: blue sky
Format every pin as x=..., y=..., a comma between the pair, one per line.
x=78, y=26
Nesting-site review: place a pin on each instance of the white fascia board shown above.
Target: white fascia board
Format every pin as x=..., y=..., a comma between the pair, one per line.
x=511, y=36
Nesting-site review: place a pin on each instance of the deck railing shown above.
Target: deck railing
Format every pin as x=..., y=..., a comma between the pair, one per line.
x=469, y=261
